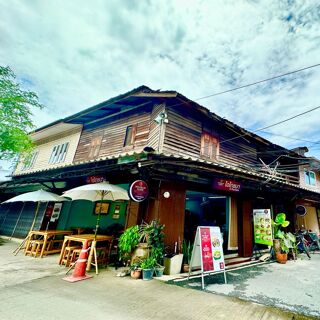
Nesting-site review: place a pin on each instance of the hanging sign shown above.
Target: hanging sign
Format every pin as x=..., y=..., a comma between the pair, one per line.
x=56, y=212
x=262, y=226
x=95, y=179
x=226, y=185
x=139, y=190
x=207, y=252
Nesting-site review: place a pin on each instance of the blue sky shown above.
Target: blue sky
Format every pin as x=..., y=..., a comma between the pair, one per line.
x=75, y=54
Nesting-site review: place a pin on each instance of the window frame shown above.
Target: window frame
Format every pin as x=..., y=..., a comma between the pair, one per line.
x=94, y=147
x=133, y=133
x=307, y=178
x=30, y=160
x=210, y=146
x=59, y=153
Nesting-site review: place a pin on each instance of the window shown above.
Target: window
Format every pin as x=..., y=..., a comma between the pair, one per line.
x=209, y=146
x=130, y=136
x=59, y=153
x=30, y=160
x=94, y=147
x=310, y=178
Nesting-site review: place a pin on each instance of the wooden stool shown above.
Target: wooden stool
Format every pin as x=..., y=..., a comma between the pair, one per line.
x=68, y=254
x=36, y=248
x=75, y=255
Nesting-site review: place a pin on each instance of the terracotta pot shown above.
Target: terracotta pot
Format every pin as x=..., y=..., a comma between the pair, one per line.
x=282, y=257
x=185, y=268
x=135, y=274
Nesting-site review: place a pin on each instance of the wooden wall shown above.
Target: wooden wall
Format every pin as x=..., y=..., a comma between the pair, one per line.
x=183, y=137
x=113, y=135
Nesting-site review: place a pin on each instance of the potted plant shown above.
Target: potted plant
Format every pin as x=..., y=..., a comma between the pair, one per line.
x=147, y=266
x=135, y=269
x=187, y=252
x=278, y=223
x=128, y=242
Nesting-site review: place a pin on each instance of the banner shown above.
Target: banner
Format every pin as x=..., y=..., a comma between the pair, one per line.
x=262, y=226
x=208, y=252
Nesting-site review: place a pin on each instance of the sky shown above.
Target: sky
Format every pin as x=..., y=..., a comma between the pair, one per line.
x=75, y=54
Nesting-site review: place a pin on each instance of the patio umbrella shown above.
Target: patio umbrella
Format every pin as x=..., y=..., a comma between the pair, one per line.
x=97, y=192
x=34, y=196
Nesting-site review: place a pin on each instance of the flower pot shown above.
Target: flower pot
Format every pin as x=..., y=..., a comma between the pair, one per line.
x=136, y=274
x=281, y=257
x=147, y=274
x=185, y=267
x=173, y=264
x=158, y=271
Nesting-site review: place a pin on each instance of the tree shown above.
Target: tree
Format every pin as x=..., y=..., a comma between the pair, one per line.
x=15, y=116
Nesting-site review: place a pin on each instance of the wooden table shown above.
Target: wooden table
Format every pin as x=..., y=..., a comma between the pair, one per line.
x=83, y=238
x=46, y=235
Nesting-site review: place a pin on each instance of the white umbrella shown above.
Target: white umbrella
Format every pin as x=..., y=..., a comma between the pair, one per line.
x=97, y=192
x=37, y=196
x=34, y=196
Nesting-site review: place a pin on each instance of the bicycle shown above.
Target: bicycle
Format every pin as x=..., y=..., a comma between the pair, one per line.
x=302, y=244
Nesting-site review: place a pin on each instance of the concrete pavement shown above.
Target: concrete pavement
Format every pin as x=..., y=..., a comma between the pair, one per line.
x=32, y=289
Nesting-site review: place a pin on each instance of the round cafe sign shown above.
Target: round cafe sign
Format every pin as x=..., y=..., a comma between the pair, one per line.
x=139, y=190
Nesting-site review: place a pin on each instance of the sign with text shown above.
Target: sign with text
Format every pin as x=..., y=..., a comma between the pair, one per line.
x=56, y=212
x=208, y=252
x=139, y=190
x=262, y=226
x=226, y=185
x=95, y=179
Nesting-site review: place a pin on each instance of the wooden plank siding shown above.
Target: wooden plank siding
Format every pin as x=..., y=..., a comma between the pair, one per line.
x=44, y=148
x=183, y=137
x=113, y=135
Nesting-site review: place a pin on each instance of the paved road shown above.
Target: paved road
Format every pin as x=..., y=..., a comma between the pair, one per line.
x=32, y=289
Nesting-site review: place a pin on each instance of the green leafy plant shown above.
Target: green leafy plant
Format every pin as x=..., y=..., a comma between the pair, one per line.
x=127, y=242
x=148, y=263
x=278, y=223
x=135, y=265
x=187, y=248
x=153, y=235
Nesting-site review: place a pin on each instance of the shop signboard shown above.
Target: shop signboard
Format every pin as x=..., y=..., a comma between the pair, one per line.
x=262, y=226
x=208, y=252
x=227, y=185
x=139, y=190
x=56, y=212
x=95, y=179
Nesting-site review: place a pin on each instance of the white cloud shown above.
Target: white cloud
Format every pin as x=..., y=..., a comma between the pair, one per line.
x=76, y=55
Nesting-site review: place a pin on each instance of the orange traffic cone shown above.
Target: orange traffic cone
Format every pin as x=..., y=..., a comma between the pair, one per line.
x=79, y=272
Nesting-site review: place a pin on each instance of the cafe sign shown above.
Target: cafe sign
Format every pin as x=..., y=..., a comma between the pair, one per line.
x=95, y=179
x=226, y=185
x=139, y=190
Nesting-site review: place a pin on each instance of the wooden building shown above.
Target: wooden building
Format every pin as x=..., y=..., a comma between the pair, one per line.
x=200, y=168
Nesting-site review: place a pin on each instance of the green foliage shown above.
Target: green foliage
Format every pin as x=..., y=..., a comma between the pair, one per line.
x=128, y=241
x=187, y=248
x=148, y=263
x=278, y=223
x=153, y=235
x=15, y=116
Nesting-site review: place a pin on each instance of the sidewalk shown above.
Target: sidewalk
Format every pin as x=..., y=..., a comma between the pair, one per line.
x=32, y=289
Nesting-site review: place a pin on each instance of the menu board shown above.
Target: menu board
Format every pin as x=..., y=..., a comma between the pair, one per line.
x=207, y=251
x=262, y=226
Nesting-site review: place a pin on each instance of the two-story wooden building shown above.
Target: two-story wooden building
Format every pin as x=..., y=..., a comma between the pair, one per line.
x=200, y=169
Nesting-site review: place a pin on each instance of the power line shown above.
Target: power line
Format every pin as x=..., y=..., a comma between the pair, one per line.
x=287, y=137
x=273, y=125
x=258, y=82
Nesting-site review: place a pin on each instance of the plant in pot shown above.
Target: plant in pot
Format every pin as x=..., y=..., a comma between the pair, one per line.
x=285, y=245
x=127, y=243
x=187, y=248
x=135, y=269
x=147, y=266
x=153, y=234
x=278, y=223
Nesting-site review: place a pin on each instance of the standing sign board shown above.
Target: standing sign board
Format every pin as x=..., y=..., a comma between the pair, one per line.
x=262, y=226
x=207, y=252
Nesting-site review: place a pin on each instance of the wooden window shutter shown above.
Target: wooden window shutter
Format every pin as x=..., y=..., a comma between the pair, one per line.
x=94, y=147
x=209, y=146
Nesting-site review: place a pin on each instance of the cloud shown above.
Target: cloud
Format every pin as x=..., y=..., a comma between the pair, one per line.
x=75, y=56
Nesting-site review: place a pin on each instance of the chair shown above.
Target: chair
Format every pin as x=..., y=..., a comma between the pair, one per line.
x=67, y=254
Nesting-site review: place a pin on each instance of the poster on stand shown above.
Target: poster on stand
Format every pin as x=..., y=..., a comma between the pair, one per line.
x=207, y=252
x=262, y=226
